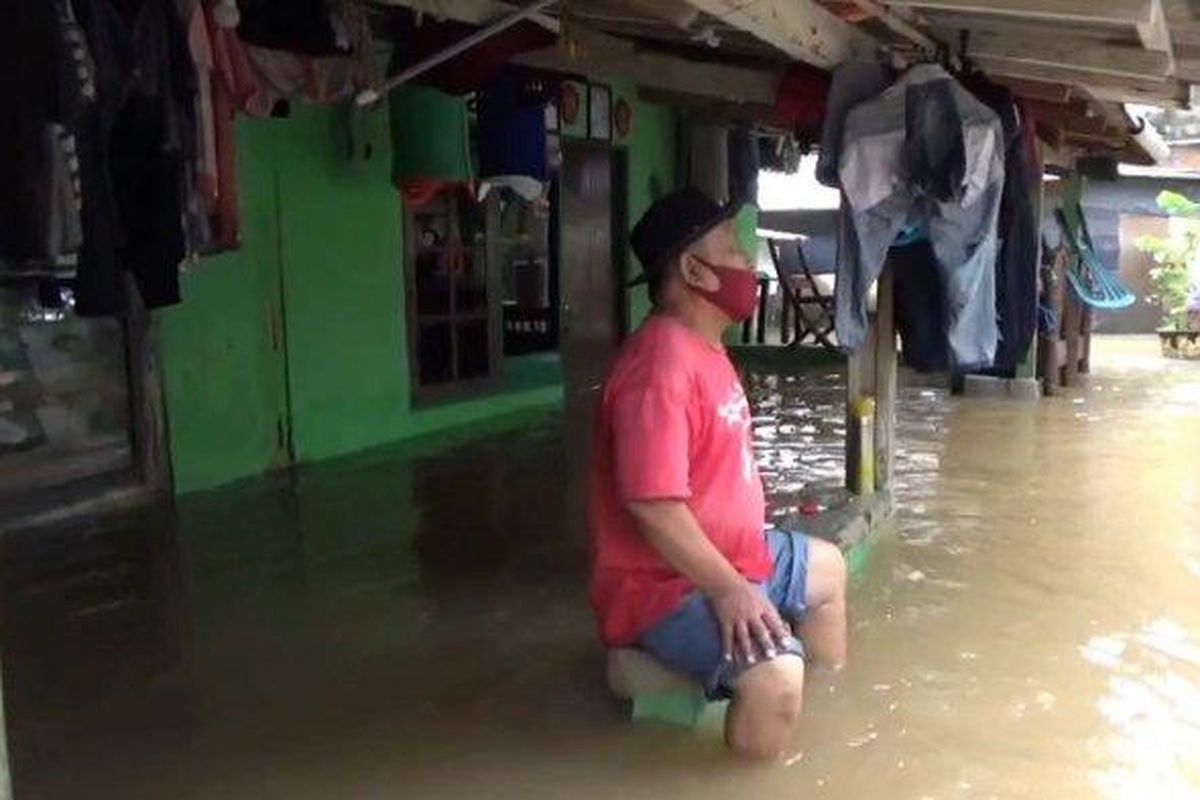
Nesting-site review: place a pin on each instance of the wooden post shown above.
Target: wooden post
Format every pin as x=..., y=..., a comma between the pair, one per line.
x=1050, y=347
x=1072, y=325
x=885, y=380
x=1085, y=359
x=860, y=382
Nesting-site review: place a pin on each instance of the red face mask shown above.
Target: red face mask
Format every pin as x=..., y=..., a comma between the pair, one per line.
x=737, y=292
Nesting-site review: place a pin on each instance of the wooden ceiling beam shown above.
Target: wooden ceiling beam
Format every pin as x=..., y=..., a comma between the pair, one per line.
x=1075, y=54
x=802, y=29
x=712, y=109
x=1073, y=117
x=1113, y=87
x=1153, y=32
x=593, y=53
x=679, y=13
x=1036, y=90
x=596, y=54
x=1113, y=13
x=472, y=12
x=1170, y=93
x=897, y=25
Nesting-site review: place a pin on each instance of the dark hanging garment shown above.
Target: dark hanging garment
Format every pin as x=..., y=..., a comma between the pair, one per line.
x=920, y=316
x=852, y=83
x=934, y=150
x=742, y=147
x=512, y=126
x=134, y=149
x=28, y=82
x=295, y=26
x=1017, y=261
x=45, y=84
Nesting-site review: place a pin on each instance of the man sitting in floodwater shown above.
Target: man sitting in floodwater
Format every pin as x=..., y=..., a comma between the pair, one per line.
x=682, y=567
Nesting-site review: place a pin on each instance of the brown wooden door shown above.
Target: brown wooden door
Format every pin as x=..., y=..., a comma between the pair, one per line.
x=589, y=276
x=590, y=286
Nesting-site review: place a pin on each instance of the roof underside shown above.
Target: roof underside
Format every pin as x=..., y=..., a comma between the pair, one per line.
x=1077, y=61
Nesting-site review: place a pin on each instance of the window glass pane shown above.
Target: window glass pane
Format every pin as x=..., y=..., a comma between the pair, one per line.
x=470, y=274
x=434, y=241
x=473, y=350
x=434, y=353
x=529, y=317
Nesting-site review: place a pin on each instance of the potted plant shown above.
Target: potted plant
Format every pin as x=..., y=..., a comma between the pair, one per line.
x=1176, y=279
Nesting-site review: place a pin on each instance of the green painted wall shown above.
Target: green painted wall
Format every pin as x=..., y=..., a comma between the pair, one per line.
x=343, y=287
x=309, y=313
x=746, y=223
x=652, y=147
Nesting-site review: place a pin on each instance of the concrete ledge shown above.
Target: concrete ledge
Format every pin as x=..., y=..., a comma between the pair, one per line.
x=1016, y=388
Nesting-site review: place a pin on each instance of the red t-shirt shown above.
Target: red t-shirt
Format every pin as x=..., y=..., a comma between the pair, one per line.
x=673, y=423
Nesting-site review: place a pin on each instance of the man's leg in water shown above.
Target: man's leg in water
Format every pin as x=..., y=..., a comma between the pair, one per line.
x=823, y=628
x=768, y=697
x=764, y=713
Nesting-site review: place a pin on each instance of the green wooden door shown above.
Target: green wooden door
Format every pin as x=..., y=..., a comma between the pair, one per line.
x=226, y=373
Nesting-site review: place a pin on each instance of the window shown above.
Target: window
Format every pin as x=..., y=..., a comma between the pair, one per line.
x=531, y=291
x=451, y=307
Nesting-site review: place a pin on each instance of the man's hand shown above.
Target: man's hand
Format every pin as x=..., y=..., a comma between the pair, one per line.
x=747, y=619
x=749, y=623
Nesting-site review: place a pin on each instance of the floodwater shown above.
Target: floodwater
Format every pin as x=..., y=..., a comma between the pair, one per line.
x=412, y=624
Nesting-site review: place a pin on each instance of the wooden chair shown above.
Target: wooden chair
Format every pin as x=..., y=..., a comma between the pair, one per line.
x=811, y=307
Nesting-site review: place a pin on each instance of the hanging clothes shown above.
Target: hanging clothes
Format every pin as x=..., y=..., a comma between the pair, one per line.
x=303, y=27
x=512, y=131
x=920, y=316
x=47, y=82
x=430, y=143
x=1017, y=263
x=800, y=102
x=213, y=222
x=852, y=83
x=134, y=150
x=262, y=77
x=200, y=173
x=896, y=151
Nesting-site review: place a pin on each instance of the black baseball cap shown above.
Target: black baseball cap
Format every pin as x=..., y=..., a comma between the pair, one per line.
x=673, y=222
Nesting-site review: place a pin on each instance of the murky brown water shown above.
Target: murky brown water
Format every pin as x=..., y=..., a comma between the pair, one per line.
x=411, y=624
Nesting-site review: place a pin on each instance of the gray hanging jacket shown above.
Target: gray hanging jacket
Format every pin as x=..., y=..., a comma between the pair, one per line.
x=924, y=154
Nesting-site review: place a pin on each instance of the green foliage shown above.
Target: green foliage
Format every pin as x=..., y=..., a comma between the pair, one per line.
x=1177, y=205
x=1173, y=255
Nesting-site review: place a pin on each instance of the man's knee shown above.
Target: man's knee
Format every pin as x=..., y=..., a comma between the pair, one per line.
x=826, y=573
x=768, y=701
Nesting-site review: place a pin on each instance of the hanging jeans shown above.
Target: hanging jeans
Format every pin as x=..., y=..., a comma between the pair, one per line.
x=902, y=165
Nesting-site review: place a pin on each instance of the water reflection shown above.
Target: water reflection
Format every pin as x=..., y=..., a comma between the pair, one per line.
x=1152, y=707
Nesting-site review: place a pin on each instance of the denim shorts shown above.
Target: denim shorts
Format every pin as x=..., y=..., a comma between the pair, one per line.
x=688, y=640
